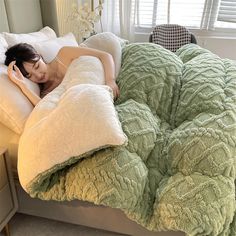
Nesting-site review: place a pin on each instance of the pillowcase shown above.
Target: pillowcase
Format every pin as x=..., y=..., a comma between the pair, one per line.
x=3, y=48
x=14, y=105
x=41, y=35
x=48, y=49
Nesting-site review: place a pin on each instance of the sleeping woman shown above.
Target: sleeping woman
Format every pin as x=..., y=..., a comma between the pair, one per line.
x=27, y=63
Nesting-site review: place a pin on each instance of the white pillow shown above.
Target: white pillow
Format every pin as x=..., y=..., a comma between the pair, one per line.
x=107, y=42
x=49, y=48
x=41, y=35
x=14, y=106
x=3, y=48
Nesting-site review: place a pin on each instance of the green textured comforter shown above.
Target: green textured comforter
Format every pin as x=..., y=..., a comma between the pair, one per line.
x=178, y=170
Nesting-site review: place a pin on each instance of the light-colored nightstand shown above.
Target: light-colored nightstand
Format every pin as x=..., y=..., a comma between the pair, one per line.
x=8, y=200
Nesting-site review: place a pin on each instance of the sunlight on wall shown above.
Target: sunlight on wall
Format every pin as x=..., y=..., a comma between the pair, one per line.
x=63, y=9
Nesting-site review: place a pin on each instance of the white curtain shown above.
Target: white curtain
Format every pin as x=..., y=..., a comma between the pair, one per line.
x=210, y=13
x=118, y=17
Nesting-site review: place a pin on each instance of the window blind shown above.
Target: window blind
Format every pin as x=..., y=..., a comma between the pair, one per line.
x=183, y=12
x=198, y=14
x=227, y=11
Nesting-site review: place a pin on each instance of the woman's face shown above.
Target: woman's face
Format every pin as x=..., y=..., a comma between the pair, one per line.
x=37, y=71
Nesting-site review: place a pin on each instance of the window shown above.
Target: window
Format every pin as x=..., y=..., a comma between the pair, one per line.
x=195, y=14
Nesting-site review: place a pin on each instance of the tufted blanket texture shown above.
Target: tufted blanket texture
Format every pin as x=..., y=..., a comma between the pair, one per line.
x=177, y=171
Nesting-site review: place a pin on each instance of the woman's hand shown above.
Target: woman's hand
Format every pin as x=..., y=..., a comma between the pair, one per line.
x=16, y=77
x=116, y=92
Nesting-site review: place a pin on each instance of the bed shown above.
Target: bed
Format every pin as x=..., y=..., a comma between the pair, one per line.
x=187, y=140
x=76, y=212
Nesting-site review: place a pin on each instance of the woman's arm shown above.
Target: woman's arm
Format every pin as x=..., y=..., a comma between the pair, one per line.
x=33, y=98
x=19, y=80
x=68, y=54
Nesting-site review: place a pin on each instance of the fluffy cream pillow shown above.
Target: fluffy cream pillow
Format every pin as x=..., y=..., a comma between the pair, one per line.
x=107, y=42
x=49, y=48
x=14, y=106
x=85, y=70
x=41, y=35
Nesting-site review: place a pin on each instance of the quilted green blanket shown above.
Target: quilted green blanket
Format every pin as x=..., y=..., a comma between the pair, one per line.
x=177, y=171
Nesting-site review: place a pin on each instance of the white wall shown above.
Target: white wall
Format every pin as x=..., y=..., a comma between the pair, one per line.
x=223, y=47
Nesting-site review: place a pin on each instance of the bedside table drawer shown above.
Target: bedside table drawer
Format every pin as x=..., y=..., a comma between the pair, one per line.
x=6, y=203
x=3, y=172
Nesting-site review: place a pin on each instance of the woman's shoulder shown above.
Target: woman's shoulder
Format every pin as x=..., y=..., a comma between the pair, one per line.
x=61, y=52
x=65, y=53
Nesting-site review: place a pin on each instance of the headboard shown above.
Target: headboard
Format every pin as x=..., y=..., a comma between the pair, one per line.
x=24, y=16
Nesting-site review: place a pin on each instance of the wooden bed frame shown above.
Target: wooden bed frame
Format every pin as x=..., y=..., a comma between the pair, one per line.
x=14, y=17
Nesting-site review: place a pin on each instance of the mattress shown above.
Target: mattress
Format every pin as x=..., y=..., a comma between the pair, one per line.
x=10, y=140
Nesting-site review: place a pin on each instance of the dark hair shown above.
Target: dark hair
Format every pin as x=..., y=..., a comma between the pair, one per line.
x=21, y=53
